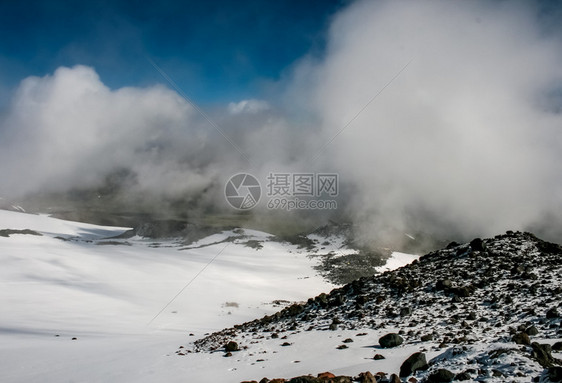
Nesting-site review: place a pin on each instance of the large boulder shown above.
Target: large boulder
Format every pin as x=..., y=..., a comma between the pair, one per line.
x=552, y=313
x=426, y=338
x=391, y=340
x=542, y=354
x=477, y=244
x=521, y=338
x=414, y=363
x=444, y=284
x=440, y=376
x=231, y=346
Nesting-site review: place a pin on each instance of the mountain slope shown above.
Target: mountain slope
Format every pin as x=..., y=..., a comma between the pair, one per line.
x=485, y=311
x=79, y=304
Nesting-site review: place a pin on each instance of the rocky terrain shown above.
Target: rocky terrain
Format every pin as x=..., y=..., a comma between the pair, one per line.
x=489, y=310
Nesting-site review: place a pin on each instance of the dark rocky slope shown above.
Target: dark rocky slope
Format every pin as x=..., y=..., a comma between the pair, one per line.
x=492, y=306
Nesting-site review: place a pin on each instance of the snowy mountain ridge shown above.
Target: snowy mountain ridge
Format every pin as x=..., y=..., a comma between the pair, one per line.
x=484, y=311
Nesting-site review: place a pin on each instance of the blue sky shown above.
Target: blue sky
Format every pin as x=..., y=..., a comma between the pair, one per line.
x=217, y=51
x=477, y=108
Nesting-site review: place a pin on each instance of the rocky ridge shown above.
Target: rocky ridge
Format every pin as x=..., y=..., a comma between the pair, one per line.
x=488, y=310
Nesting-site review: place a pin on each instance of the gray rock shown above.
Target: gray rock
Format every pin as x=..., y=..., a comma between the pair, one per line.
x=367, y=377
x=552, y=313
x=542, y=354
x=405, y=311
x=426, y=338
x=391, y=340
x=231, y=346
x=521, y=338
x=477, y=244
x=444, y=284
x=463, y=376
x=440, y=376
x=414, y=363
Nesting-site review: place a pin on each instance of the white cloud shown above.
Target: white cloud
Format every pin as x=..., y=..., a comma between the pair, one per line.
x=459, y=136
x=466, y=139
x=70, y=130
x=248, y=106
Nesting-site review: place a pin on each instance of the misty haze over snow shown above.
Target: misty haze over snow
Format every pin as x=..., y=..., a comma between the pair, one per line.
x=452, y=117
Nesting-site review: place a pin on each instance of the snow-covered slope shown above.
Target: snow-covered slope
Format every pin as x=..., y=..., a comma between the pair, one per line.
x=62, y=280
x=81, y=304
x=485, y=311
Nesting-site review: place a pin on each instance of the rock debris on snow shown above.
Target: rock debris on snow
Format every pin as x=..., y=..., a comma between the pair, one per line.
x=488, y=310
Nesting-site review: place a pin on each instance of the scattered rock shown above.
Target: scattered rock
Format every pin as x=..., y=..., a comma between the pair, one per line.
x=231, y=346
x=441, y=375
x=405, y=311
x=466, y=297
x=391, y=340
x=8, y=232
x=342, y=347
x=521, y=338
x=414, y=363
x=497, y=373
x=542, y=354
x=444, y=284
x=452, y=245
x=552, y=313
x=494, y=354
x=463, y=376
x=463, y=292
x=426, y=338
x=477, y=244
x=532, y=331
x=366, y=377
